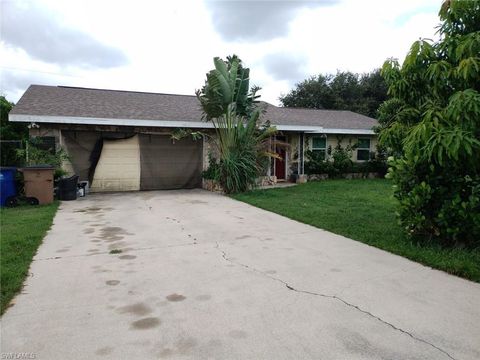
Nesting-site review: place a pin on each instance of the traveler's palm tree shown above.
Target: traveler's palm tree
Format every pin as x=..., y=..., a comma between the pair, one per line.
x=242, y=142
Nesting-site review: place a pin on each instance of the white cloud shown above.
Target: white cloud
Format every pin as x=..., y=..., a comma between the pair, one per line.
x=170, y=45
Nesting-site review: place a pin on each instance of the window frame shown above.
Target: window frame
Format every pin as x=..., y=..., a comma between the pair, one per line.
x=324, y=149
x=364, y=149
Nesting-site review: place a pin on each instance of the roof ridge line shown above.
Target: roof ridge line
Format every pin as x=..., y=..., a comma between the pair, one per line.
x=113, y=90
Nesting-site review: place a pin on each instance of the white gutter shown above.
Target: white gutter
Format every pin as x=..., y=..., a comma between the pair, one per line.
x=167, y=124
x=343, y=131
x=107, y=121
x=322, y=130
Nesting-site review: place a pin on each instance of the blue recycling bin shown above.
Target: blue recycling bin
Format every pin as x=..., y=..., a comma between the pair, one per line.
x=8, y=190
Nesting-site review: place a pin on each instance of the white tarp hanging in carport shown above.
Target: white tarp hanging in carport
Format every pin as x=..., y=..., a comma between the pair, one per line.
x=118, y=168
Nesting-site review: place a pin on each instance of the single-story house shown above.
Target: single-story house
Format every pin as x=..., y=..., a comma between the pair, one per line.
x=121, y=140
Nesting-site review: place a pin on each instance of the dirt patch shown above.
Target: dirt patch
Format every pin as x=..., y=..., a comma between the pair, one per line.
x=90, y=209
x=117, y=245
x=139, y=309
x=197, y=202
x=104, y=351
x=237, y=334
x=146, y=323
x=127, y=257
x=112, y=233
x=175, y=297
x=184, y=346
x=112, y=282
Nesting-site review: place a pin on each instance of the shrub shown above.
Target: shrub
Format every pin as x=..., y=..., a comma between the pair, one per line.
x=437, y=204
x=339, y=162
x=213, y=170
x=316, y=164
x=34, y=155
x=431, y=125
x=342, y=159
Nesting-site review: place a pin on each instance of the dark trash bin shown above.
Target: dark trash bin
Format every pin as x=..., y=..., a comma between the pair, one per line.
x=8, y=190
x=67, y=188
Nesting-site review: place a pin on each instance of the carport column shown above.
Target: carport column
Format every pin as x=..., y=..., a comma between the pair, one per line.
x=301, y=162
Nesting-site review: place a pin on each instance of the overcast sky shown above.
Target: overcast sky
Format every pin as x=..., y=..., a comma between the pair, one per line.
x=168, y=46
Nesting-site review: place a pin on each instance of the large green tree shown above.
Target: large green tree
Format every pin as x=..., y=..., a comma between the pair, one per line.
x=10, y=131
x=432, y=124
x=362, y=93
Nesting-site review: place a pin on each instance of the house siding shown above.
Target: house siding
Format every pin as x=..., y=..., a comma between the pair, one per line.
x=334, y=139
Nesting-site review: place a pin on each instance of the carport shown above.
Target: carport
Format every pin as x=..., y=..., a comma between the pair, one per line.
x=124, y=161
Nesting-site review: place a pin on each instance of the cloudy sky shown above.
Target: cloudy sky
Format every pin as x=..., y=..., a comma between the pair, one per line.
x=168, y=46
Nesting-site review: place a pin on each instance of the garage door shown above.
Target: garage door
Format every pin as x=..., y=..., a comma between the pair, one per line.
x=118, y=168
x=116, y=161
x=170, y=164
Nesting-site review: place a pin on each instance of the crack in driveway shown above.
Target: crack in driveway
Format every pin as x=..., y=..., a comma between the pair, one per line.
x=123, y=252
x=334, y=297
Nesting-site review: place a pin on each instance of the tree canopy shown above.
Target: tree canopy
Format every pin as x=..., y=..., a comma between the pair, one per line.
x=432, y=124
x=228, y=85
x=10, y=131
x=361, y=93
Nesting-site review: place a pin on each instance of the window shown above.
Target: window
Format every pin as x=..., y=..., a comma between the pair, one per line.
x=46, y=143
x=319, y=146
x=363, y=149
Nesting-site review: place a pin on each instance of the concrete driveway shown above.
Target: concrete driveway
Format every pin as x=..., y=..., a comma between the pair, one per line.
x=201, y=276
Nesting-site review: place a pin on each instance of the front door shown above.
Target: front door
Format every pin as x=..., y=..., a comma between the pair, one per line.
x=280, y=163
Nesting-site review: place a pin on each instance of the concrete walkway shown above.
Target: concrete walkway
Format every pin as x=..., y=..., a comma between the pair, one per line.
x=201, y=276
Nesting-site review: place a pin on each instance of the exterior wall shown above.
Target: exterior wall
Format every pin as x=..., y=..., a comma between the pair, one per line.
x=293, y=149
x=55, y=130
x=59, y=142
x=208, y=148
x=292, y=157
x=344, y=140
x=293, y=152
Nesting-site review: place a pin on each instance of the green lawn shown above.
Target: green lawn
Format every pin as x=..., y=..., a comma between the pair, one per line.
x=363, y=210
x=22, y=231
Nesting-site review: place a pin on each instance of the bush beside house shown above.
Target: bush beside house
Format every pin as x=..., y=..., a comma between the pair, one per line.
x=432, y=125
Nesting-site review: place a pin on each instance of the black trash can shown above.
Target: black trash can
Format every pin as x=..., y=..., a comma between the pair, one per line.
x=67, y=188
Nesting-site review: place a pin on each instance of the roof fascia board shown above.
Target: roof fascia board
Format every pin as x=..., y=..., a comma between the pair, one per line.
x=107, y=121
x=343, y=131
x=322, y=130
x=168, y=124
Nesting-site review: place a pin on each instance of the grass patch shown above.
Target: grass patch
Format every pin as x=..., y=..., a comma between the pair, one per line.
x=22, y=231
x=115, y=251
x=362, y=210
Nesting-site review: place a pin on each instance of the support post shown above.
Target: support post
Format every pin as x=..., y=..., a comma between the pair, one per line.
x=302, y=154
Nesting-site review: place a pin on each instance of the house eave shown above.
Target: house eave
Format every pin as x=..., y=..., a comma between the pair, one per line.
x=322, y=130
x=108, y=121
x=169, y=124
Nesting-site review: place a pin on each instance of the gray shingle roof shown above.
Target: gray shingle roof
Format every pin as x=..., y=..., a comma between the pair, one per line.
x=113, y=104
